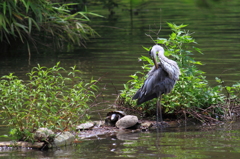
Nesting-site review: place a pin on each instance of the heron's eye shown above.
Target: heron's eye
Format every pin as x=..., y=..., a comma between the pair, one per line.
x=150, y=53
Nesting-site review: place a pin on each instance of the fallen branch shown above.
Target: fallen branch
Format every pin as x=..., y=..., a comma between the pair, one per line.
x=35, y=145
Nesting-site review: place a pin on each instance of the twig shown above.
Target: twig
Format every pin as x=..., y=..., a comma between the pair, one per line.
x=156, y=33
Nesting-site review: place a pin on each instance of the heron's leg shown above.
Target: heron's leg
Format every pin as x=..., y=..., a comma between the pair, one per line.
x=157, y=114
x=163, y=124
x=159, y=107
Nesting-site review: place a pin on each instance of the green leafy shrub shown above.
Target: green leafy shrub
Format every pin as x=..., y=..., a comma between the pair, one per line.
x=191, y=95
x=48, y=100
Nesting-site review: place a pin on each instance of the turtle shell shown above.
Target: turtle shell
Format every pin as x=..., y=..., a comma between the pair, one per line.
x=121, y=113
x=113, y=117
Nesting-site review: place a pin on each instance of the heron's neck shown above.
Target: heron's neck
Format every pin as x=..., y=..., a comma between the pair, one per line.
x=169, y=66
x=158, y=49
x=163, y=59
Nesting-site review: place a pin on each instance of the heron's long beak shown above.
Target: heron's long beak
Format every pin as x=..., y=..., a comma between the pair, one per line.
x=155, y=60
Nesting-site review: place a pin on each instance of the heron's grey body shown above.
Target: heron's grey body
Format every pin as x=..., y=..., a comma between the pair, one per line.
x=156, y=84
x=160, y=79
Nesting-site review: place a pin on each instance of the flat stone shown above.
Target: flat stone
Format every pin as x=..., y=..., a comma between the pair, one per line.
x=146, y=125
x=127, y=121
x=98, y=123
x=63, y=139
x=85, y=126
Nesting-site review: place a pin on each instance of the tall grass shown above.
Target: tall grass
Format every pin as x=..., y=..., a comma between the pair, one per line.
x=27, y=19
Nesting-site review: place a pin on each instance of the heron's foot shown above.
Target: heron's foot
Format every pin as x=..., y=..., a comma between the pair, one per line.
x=161, y=124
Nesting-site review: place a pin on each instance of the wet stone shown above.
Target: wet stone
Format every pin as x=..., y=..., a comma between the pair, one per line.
x=43, y=134
x=146, y=125
x=99, y=123
x=101, y=132
x=127, y=121
x=63, y=139
x=85, y=126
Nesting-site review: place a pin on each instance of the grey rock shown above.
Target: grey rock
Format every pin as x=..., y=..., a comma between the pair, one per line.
x=43, y=134
x=146, y=125
x=85, y=126
x=99, y=123
x=63, y=139
x=127, y=121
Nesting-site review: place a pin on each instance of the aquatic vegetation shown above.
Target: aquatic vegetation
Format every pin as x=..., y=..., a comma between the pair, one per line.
x=192, y=95
x=27, y=20
x=52, y=98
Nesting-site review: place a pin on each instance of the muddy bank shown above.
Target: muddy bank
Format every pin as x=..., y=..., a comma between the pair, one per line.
x=104, y=131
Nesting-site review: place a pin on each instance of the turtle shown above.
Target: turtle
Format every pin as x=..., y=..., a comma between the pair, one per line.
x=113, y=117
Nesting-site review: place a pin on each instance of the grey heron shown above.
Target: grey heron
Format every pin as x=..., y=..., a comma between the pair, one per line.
x=160, y=79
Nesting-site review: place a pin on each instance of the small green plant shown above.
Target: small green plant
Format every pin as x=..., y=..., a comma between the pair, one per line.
x=191, y=95
x=232, y=102
x=48, y=99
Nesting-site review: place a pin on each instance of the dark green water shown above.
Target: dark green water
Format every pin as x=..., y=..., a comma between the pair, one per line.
x=215, y=24
x=183, y=143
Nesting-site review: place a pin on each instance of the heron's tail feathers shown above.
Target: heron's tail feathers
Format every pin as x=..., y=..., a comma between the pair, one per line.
x=141, y=98
x=137, y=95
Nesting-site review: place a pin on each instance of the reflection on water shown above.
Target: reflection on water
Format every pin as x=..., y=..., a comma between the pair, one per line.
x=114, y=55
x=184, y=142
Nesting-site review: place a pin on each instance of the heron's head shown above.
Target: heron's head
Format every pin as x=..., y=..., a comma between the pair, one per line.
x=153, y=53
